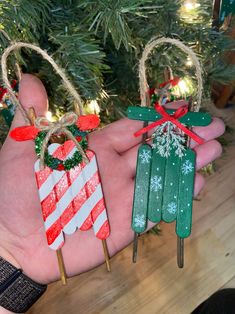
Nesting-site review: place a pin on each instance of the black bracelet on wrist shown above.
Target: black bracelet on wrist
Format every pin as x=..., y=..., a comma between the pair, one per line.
x=17, y=291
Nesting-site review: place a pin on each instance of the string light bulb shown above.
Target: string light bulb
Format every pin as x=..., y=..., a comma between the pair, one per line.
x=189, y=62
x=49, y=116
x=189, y=11
x=183, y=87
x=190, y=5
x=93, y=107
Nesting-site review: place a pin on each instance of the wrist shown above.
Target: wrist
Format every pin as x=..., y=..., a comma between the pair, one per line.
x=9, y=257
x=17, y=291
x=4, y=311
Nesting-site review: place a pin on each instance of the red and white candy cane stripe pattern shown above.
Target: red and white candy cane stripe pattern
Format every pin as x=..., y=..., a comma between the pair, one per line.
x=71, y=199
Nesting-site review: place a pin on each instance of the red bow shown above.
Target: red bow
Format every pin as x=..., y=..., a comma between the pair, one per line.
x=4, y=91
x=173, y=119
x=171, y=83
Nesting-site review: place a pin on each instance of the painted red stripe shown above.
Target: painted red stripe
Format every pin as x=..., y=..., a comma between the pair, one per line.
x=90, y=187
x=58, y=191
x=42, y=175
x=98, y=209
x=53, y=232
x=77, y=203
x=60, y=152
x=104, y=231
x=48, y=205
x=87, y=224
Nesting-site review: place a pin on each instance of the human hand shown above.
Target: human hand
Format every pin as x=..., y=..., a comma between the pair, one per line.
x=22, y=236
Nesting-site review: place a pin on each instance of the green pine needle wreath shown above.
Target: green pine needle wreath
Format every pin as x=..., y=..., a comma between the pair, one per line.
x=56, y=163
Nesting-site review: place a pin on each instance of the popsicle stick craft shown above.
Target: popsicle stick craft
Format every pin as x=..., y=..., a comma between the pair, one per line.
x=165, y=169
x=67, y=174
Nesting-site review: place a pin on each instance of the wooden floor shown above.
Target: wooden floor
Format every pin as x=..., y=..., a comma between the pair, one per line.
x=155, y=284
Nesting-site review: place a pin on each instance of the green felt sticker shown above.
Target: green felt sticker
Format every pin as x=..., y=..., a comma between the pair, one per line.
x=170, y=196
x=150, y=115
x=142, y=183
x=186, y=188
x=156, y=187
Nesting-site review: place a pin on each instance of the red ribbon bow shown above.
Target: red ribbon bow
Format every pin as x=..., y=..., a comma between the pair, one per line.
x=173, y=119
x=4, y=91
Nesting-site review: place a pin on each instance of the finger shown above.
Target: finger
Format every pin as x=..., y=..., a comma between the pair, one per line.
x=32, y=93
x=206, y=153
x=214, y=130
x=176, y=104
x=121, y=137
x=120, y=134
x=199, y=184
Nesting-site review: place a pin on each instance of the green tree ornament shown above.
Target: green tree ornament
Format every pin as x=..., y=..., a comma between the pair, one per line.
x=170, y=183
x=165, y=170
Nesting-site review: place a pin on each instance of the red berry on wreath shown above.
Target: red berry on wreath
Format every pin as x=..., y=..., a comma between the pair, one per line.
x=60, y=167
x=79, y=138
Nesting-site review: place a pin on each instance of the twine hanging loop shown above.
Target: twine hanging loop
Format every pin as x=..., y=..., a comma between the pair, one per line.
x=155, y=42
x=78, y=107
x=42, y=123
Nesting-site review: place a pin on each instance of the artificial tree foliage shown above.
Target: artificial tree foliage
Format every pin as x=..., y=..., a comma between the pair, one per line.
x=99, y=44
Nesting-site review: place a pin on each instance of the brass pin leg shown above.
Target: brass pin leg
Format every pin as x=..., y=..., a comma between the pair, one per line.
x=106, y=255
x=180, y=252
x=135, y=248
x=31, y=115
x=61, y=267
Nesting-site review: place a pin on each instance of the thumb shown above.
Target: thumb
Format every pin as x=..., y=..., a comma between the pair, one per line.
x=32, y=93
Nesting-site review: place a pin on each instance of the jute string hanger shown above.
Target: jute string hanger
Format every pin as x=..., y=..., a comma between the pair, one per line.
x=52, y=127
x=17, y=66
x=18, y=45
x=154, y=43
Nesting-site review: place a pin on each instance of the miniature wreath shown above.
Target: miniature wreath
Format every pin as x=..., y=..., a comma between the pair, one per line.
x=83, y=126
x=56, y=163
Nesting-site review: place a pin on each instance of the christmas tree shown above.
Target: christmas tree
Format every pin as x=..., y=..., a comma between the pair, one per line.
x=99, y=44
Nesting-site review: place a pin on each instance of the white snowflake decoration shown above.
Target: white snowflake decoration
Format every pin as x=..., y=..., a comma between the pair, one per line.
x=172, y=208
x=145, y=156
x=187, y=167
x=139, y=221
x=156, y=183
x=167, y=137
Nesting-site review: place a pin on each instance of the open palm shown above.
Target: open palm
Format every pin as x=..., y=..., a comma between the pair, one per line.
x=22, y=236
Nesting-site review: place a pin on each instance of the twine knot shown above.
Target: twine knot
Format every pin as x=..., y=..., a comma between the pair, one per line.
x=67, y=119
x=61, y=125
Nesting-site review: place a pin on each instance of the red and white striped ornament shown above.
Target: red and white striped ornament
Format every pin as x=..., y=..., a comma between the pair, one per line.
x=71, y=199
